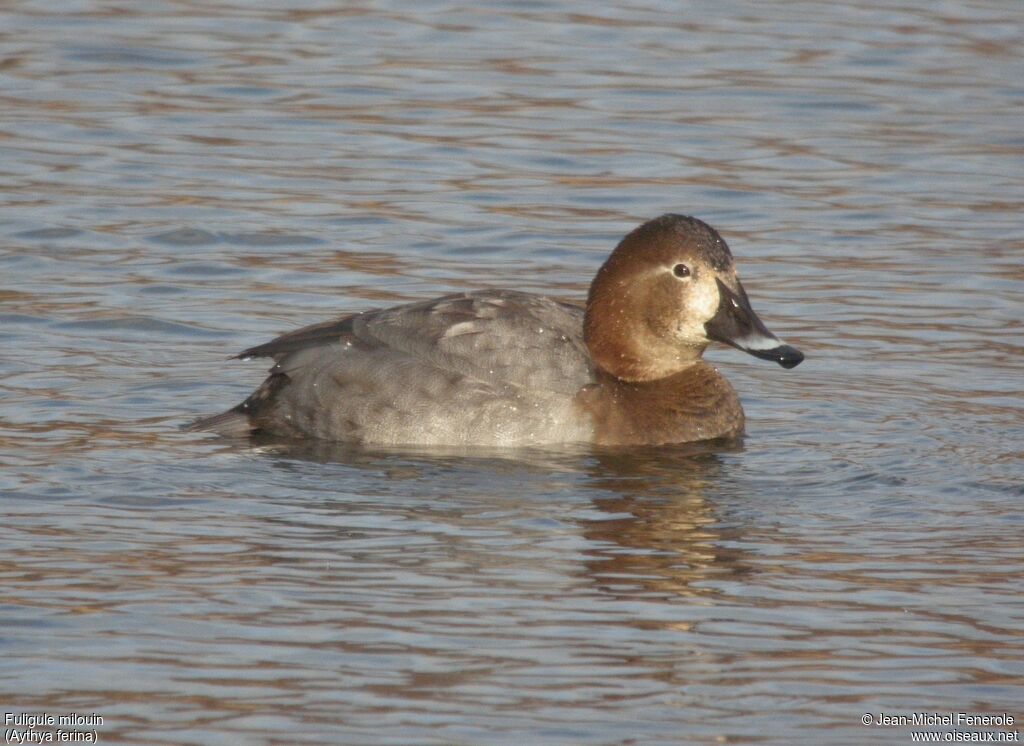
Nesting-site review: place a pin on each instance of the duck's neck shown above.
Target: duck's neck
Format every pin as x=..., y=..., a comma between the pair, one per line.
x=632, y=352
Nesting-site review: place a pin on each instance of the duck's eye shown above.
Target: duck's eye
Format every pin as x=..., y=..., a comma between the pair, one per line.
x=681, y=270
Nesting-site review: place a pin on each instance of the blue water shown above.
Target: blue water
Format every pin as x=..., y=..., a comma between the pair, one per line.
x=184, y=180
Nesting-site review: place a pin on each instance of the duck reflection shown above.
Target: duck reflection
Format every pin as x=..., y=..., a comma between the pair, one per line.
x=659, y=534
x=663, y=536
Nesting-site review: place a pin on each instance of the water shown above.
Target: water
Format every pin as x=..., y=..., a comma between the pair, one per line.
x=184, y=180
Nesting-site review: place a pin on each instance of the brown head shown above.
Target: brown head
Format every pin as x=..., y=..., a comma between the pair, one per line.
x=668, y=290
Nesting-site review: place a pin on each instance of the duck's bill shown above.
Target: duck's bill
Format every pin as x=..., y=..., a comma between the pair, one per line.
x=736, y=324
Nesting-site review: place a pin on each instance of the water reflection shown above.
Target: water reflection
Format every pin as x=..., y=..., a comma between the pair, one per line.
x=183, y=180
x=655, y=532
x=662, y=536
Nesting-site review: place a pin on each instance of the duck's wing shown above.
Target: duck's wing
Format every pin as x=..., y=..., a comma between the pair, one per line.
x=315, y=335
x=498, y=337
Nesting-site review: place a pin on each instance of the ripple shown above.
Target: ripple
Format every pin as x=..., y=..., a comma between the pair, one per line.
x=46, y=234
x=136, y=56
x=180, y=174
x=143, y=325
x=186, y=237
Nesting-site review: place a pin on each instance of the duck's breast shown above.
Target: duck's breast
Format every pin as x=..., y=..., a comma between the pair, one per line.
x=695, y=404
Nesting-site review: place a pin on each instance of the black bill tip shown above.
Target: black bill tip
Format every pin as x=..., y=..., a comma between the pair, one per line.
x=785, y=355
x=788, y=357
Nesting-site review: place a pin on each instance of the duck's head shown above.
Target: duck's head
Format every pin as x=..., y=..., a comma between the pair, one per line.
x=667, y=291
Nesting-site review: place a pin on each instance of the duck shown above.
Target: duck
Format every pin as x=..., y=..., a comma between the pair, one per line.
x=504, y=368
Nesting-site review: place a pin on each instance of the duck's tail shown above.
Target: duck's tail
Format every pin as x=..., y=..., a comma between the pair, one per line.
x=241, y=421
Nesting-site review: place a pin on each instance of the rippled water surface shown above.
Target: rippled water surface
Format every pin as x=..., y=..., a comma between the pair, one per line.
x=184, y=179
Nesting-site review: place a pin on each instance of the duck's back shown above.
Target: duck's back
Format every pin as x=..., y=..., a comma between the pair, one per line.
x=486, y=368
